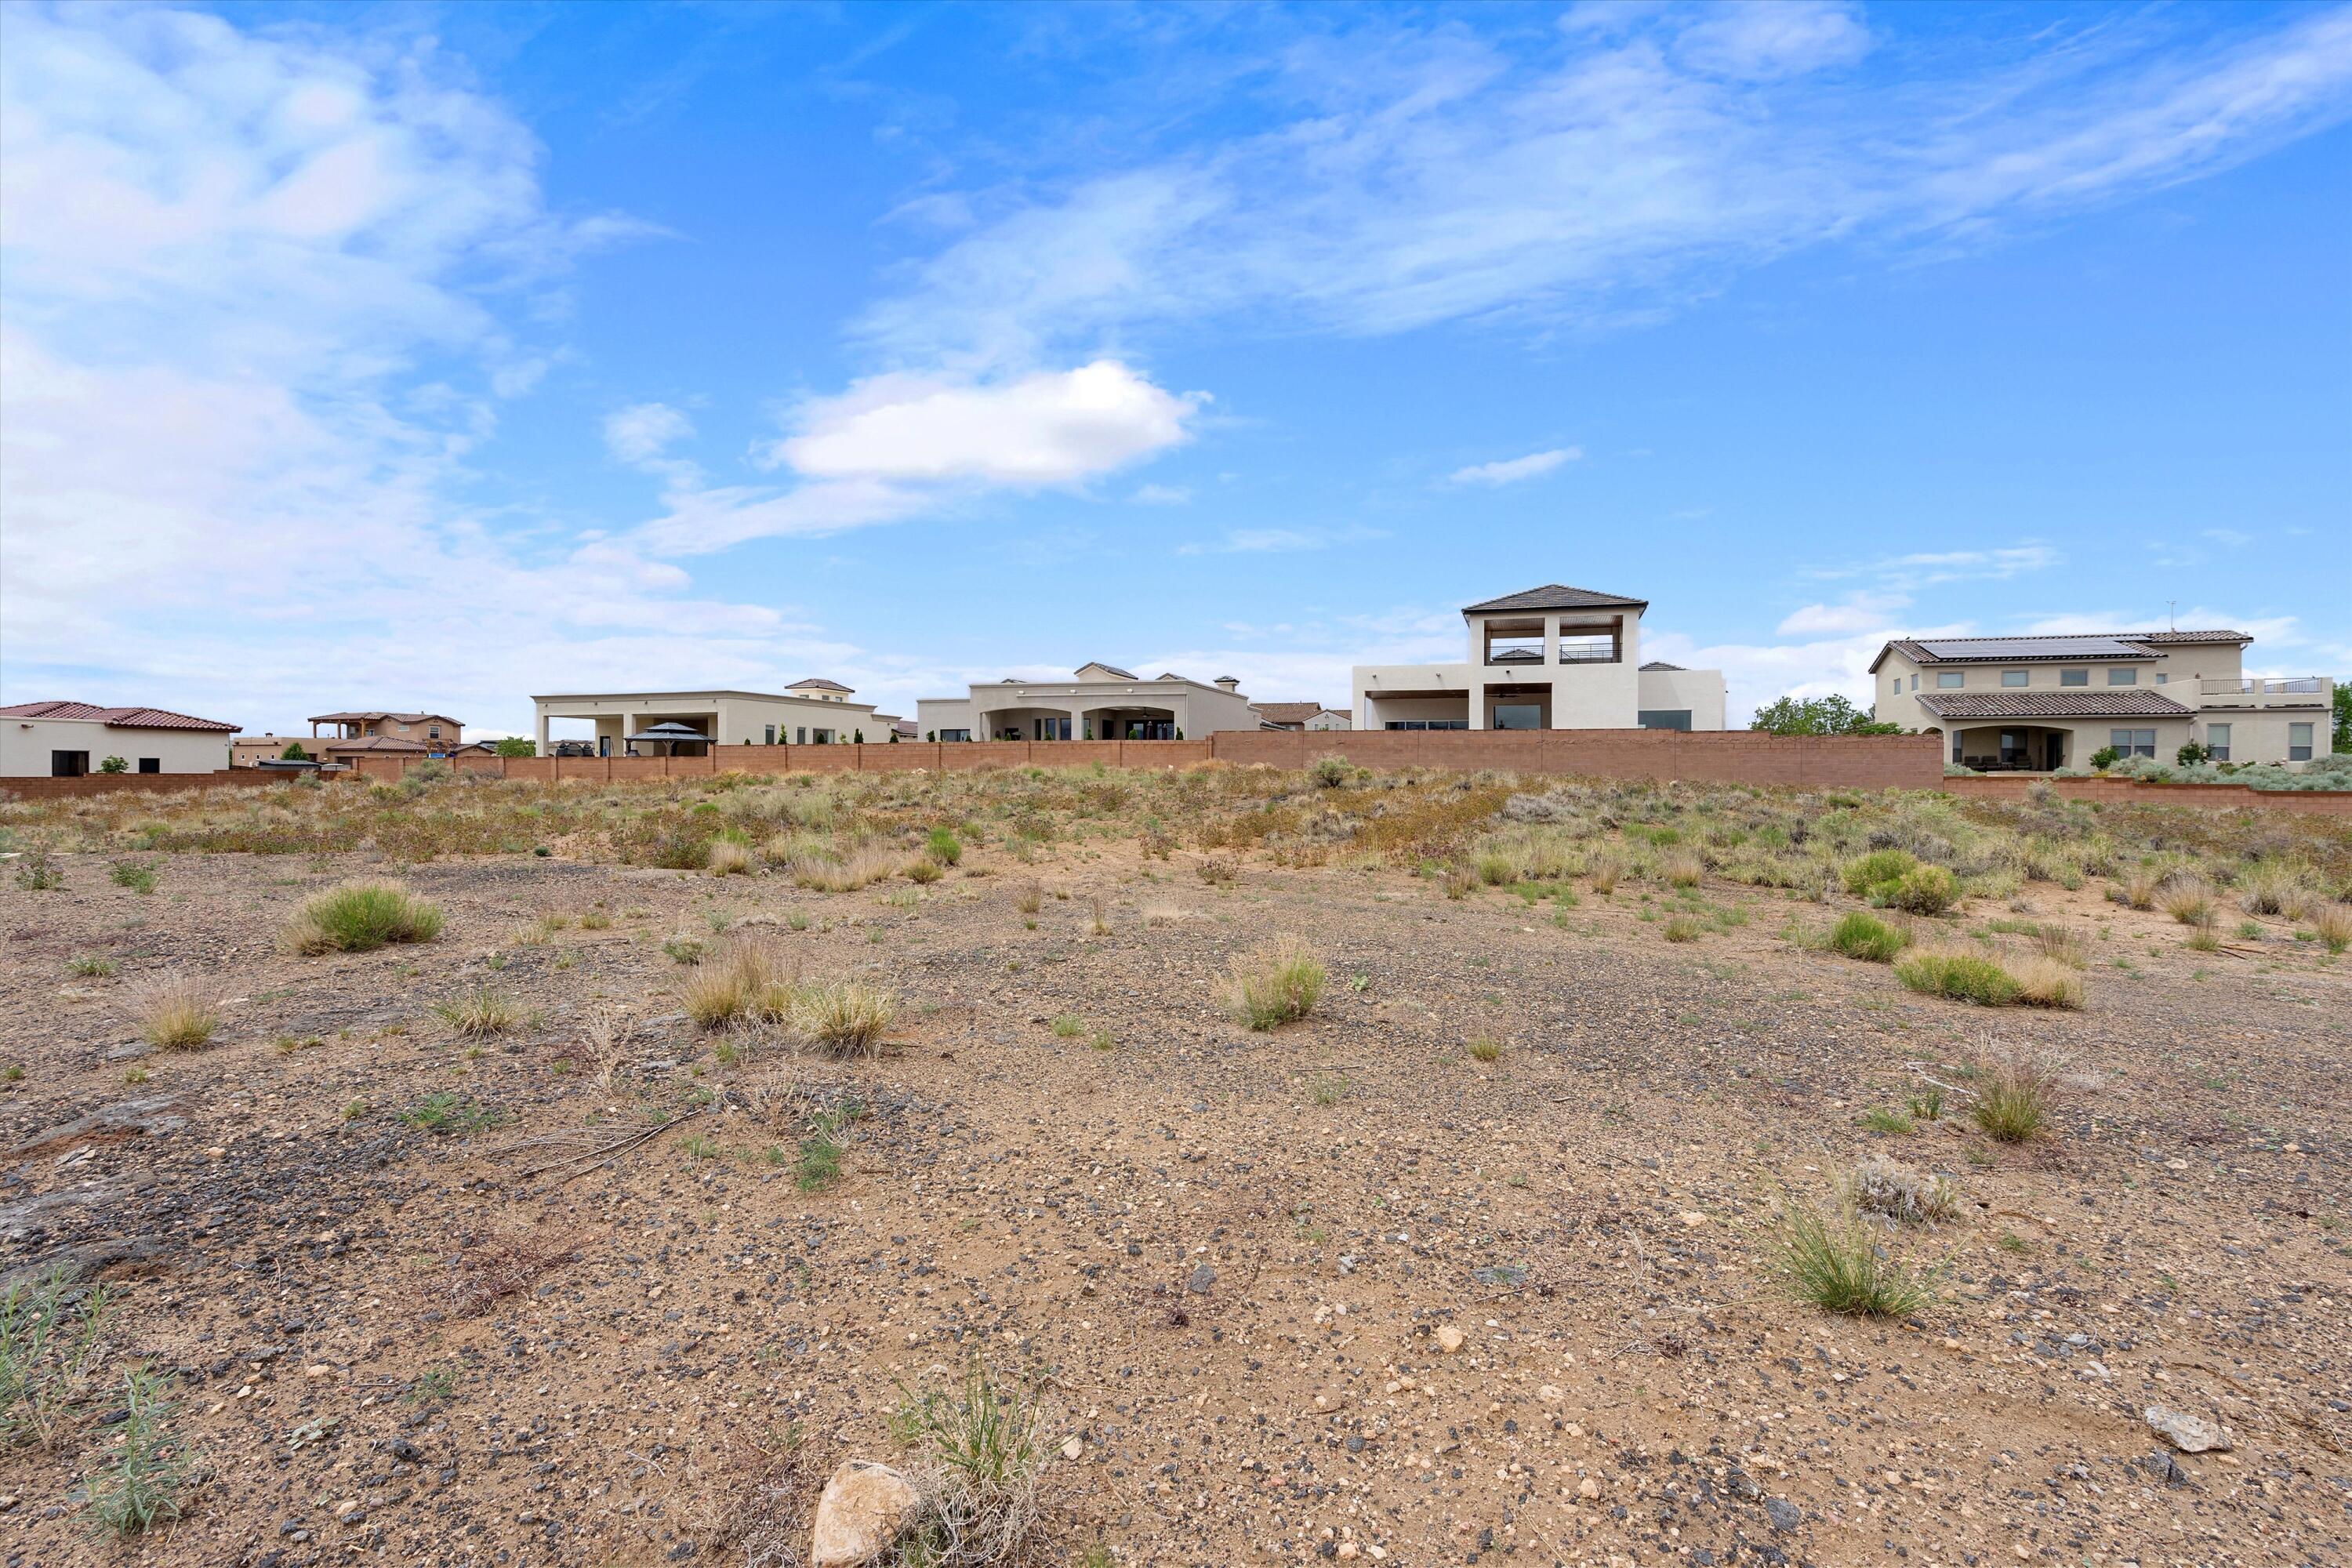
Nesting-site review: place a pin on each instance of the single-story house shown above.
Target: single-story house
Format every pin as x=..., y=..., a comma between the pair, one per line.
x=68, y=740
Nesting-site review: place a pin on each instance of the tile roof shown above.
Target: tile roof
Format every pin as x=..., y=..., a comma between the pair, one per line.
x=1660, y=664
x=372, y=716
x=2128, y=704
x=367, y=743
x=816, y=683
x=115, y=718
x=1098, y=664
x=1557, y=596
x=1287, y=712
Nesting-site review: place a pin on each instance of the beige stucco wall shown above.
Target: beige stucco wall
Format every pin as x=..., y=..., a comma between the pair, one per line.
x=1699, y=690
x=1195, y=708
x=26, y=746
x=729, y=717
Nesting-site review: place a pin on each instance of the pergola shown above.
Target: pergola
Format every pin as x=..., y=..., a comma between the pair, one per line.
x=672, y=734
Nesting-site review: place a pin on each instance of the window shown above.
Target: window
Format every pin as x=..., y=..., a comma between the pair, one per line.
x=2298, y=742
x=955, y=734
x=1951, y=679
x=2122, y=675
x=2162, y=677
x=1915, y=683
x=1664, y=717
x=772, y=736
x=1518, y=716
x=1052, y=730
x=2217, y=741
x=433, y=732
x=800, y=736
x=1956, y=748
x=2133, y=742
x=2014, y=677
x=151, y=764
x=68, y=764
x=1429, y=723
x=2074, y=677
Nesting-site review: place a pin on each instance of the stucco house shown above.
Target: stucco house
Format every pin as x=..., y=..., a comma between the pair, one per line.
x=1100, y=702
x=68, y=740
x=1299, y=716
x=816, y=711
x=2034, y=704
x=1553, y=658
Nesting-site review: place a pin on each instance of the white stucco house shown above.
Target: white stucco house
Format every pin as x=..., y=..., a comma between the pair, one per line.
x=816, y=712
x=2034, y=704
x=1553, y=658
x=69, y=740
x=1099, y=702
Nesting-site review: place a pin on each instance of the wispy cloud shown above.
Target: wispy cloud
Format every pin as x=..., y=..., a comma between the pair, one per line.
x=1511, y=470
x=1907, y=572
x=1278, y=540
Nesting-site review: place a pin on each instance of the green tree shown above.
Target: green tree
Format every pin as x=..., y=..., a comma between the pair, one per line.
x=294, y=753
x=1831, y=715
x=114, y=765
x=2343, y=717
x=516, y=746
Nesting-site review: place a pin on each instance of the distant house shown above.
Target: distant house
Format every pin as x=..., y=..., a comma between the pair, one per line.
x=1300, y=715
x=383, y=734
x=1552, y=658
x=1100, y=702
x=68, y=740
x=2033, y=704
x=810, y=712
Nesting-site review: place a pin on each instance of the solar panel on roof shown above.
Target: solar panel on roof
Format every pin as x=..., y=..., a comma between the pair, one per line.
x=2034, y=647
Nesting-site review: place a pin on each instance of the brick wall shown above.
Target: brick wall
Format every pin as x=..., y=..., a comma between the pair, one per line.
x=136, y=783
x=1723, y=756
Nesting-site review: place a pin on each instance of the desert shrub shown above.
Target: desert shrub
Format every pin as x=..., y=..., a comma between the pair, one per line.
x=1459, y=881
x=1495, y=870
x=1962, y=977
x=1866, y=937
x=1330, y=772
x=1216, y=870
x=51, y=1339
x=2064, y=944
x=2014, y=1092
x=976, y=1451
x=1834, y=1261
x=444, y=1110
x=1682, y=927
x=131, y=874
x=360, y=916
x=862, y=868
x=943, y=847
x=479, y=1010
x=728, y=858
x=1485, y=1048
x=1683, y=870
x=2046, y=982
x=739, y=982
x=1606, y=871
x=2139, y=888
x=1878, y=866
x=1922, y=890
x=146, y=1471
x=2271, y=887
x=1882, y=1186
x=1277, y=985
x=176, y=1012
x=1028, y=897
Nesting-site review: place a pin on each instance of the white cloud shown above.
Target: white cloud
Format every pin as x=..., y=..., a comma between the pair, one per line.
x=1903, y=573
x=1279, y=541
x=1044, y=429
x=644, y=431
x=1511, y=470
x=1855, y=613
x=2236, y=539
x=1161, y=495
x=1427, y=178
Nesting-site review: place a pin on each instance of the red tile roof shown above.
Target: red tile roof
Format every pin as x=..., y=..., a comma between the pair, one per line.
x=114, y=718
x=2129, y=704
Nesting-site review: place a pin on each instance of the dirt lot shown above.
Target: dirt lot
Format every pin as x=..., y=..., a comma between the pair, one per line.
x=1341, y=1289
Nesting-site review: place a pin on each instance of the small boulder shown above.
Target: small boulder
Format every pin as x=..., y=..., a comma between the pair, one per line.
x=2189, y=1433
x=1449, y=1338
x=862, y=1510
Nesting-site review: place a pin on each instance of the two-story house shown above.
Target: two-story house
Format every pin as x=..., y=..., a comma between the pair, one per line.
x=2039, y=703
x=1553, y=658
x=380, y=734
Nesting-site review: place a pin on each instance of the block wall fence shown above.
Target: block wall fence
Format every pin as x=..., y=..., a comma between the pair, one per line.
x=1731, y=756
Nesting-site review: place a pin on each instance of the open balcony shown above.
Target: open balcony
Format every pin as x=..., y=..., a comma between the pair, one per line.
x=2292, y=691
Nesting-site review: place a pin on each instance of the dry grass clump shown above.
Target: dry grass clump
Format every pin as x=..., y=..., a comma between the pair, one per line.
x=1834, y=1261
x=1217, y=870
x=1485, y=1048
x=360, y=916
x=843, y=1017
x=2046, y=982
x=1682, y=927
x=2139, y=888
x=2190, y=903
x=176, y=1012
x=862, y=868
x=1277, y=985
x=482, y=1010
x=2273, y=888
x=1683, y=870
x=2064, y=944
x=1962, y=977
x=1868, y=937
x=975, y=1452
x=728, y=858
x=2333, y=925
x=1882, y=1186
x=2015, y=1095
x=1028, y=897
x=741, y=981
x=1606, y=871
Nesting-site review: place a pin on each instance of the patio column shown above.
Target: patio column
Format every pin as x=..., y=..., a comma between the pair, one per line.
x=1477, y=693
x=1551, y=640
x=542, y=733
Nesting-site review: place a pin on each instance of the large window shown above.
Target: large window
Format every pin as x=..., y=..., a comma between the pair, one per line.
x=151, y=764
x=1052, y=730
x=1951, y=679
x=955, y=734
x=2014, y=677
x=772, y=736
x=1518, y=715
x=2298, y=742
x=2074, y=677
x=2133, y=742
x=1429, y=724
x=68, y=764
x=2122, y=675
x=2217, y=741
x=1664, y=717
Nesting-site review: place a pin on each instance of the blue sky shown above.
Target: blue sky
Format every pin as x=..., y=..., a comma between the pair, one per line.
x=421, y=356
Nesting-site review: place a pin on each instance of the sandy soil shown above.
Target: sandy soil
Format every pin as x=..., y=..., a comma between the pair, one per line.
x=1236, y=1257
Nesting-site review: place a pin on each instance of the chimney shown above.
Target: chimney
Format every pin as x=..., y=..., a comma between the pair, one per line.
x=1228, y=683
